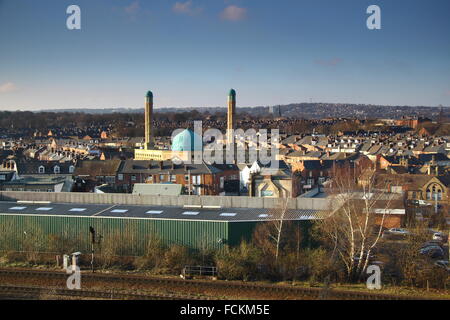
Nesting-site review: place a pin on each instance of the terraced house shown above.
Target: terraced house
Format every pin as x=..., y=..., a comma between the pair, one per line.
x=196, y=179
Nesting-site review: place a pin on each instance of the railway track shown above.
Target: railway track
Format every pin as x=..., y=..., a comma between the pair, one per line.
x=33, y=292
x=278, y=290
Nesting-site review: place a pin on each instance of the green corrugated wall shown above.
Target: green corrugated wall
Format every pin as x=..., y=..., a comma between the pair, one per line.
x=19, y=231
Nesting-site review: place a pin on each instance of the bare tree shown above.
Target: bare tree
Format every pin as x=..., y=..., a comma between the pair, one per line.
x=356, y=217
x=269, y=235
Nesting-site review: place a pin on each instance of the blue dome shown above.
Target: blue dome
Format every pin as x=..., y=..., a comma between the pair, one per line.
x=187, y=141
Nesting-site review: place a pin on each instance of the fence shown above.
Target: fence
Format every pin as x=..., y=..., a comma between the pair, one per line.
x=190, y=271
x=179, y=201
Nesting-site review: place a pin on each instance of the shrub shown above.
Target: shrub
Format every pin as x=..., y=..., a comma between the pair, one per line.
x=240, y=263
x=153, y=257
x=176, y=257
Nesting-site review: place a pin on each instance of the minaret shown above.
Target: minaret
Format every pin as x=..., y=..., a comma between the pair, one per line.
x=148, y=119
x=231, y=115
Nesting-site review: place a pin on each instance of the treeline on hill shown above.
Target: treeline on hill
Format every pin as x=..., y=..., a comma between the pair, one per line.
x=26, y=123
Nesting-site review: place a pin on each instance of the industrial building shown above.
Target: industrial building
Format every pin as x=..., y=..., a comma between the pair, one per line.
x=194, y=226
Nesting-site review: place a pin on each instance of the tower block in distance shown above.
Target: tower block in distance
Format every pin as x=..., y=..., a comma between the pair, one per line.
x=231, y=121
x=148, y=119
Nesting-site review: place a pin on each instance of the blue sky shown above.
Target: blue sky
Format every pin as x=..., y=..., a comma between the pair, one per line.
x=190, y=53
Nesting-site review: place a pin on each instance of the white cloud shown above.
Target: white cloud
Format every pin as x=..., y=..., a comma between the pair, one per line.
x=233, y=13
x=133, y=8
x=7, y=87
x=186, y=8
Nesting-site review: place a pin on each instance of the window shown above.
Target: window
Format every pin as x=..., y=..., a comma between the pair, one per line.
x=110, y=179
x=133, y=177
x=173, y=178
x=2, y=177
x=56, y=169
x=161, y=177
x=120, y=176
x=71, y=169
x=222, y=182
x=310, y=182
x=41, y=169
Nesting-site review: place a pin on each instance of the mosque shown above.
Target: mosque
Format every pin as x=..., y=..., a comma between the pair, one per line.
x=186, y=144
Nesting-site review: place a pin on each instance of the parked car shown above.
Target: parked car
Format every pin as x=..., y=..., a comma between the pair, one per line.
x=432, y=243
x=443, y=264
x=421, y=203
x=434, y=252
x=440, y=236
x=399, y=231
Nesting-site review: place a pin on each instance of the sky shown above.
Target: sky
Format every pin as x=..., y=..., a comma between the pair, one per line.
x=190, y=53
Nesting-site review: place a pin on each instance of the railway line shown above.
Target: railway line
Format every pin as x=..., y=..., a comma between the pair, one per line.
x=188, y=286
x=33, y=292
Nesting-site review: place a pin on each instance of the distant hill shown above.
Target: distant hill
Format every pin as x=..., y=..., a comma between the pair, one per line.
x=298, y=110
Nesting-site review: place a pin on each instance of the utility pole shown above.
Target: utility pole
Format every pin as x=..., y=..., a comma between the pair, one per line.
x=92, y=231
x=189, y=185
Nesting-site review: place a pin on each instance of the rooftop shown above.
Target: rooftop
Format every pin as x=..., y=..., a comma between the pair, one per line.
x=193, y=213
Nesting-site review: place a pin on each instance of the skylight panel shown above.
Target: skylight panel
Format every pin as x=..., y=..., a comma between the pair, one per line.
x=17, y=208
x=190, y=213
x=154, y=212
x=228, y=214
x=119, y=211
